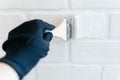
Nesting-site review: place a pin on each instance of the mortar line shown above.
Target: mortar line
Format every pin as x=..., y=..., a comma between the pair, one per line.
x=67, y=4
x=109, y=26
x=70, y=51
x=36, y=75
x=102, y=73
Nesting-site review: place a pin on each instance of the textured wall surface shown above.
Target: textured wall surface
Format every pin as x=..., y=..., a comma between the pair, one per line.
x=95, y=52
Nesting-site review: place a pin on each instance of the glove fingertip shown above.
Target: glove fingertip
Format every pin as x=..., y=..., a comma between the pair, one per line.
x=48, y=36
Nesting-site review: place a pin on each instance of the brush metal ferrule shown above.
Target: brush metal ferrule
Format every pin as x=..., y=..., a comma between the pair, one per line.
x=70, y=24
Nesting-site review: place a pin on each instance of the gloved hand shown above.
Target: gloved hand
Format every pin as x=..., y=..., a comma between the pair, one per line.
x=27, y=44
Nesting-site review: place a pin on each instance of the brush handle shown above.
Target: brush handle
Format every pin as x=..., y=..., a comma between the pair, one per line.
x=61, y=30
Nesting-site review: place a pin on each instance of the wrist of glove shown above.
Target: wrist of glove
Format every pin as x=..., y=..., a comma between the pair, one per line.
x=27, y=44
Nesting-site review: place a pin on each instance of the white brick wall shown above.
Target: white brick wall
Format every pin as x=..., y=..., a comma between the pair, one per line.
x=114, y=31
x=68, y=72
x=95, y=4
x=95, y=52
x=112, y=71
x=91, y=25
x=42, y=4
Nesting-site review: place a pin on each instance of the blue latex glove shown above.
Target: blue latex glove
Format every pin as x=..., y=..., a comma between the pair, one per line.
x=27, y=44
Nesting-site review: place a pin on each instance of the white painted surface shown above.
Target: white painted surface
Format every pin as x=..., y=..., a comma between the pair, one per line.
x=112, y=71
x=31, y=75
x=58, y=52
x=94, y=4
x=95, y=51
x=42, y=4
x=115, y=26
x=67, y=72
x=97, y=43
x=8, y=22
x=91, y=25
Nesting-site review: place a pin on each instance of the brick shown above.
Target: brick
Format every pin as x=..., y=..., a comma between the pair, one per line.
x=42, y=4
x=95, y=51
x=31, y=75
x=108, y=4
x=8, y=22
x=91, y=25
x=95, y=4
x=115, y=26
x=9, y=4
x=111, y=72
x=32, y=4
x=67, y=72
x=83, y=3
x=58, y=51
